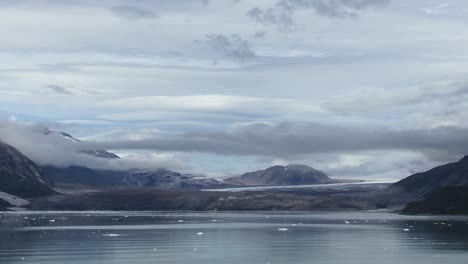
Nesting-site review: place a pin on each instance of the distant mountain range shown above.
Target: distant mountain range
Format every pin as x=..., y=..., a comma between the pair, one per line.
x=281, y=175
x=79, y=176
x=75, y=176
x=441, y=190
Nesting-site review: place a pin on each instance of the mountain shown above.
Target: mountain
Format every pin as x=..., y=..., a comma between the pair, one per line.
x=422, y=185
x=281, y=175
x=144, y=199
x=166, y=179
x=81, y=176
x=4, y=204
x=75, y=176
x=20, y=176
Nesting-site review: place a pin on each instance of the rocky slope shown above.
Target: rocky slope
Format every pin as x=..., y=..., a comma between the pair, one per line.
x=20, y=176
x=150, y=199
x=4, y=204
x=281, y=175
x=422, y=185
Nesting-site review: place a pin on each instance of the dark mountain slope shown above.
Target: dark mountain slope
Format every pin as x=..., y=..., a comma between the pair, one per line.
x=20, y=176
x=4, y=204
x=421, y=185
x=281, y=175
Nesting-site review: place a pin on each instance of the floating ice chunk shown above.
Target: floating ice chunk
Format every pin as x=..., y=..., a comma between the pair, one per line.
x=406, y=230
x=346, y=222
x=283, y=229
x=200, y=233
x=180, y=221
x=52, y=220
x=111, y=235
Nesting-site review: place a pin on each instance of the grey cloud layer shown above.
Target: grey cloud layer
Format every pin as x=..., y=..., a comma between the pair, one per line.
x=59, y=89
x=56, y=150
x=282, y=13
x=289, y=139
x=133, y=12
x=128, y=70
x=231, y=47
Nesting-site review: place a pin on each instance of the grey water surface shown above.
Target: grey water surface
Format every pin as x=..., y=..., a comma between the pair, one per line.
x=278, y=237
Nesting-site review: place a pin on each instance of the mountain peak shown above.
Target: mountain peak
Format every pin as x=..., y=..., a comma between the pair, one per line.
x=301, y=168
x=464, y=159
x=293, y=174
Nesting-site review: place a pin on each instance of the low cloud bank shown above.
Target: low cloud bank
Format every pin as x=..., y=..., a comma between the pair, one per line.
x=290, y=139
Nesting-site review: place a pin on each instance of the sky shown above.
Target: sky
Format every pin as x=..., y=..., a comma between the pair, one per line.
x=364, y=89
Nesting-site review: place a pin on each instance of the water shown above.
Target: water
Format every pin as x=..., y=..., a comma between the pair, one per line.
x=156, y=237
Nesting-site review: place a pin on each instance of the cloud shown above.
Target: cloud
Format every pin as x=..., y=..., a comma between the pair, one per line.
x=57, y=150
x=369, y=152
x=440, y=97
x=292, y=139
x=59, y=89
x=133, y=12
x=231, y=47
x=282, y=13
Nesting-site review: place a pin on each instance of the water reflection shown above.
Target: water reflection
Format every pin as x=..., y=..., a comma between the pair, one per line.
x=231, y=238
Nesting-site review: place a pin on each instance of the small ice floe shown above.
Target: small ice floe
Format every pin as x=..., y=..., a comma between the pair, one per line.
x=214, y=220
x=111, y=235
x=347, y=222
x=282, y=229
x=52, y=220
x=180, y=221
x=406, y=230
x=155, y=249
x=200, y=233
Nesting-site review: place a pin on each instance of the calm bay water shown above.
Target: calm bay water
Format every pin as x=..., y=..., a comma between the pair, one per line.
x=158, y=237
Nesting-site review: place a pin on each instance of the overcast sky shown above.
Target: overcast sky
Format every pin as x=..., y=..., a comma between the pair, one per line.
x=356, y=88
